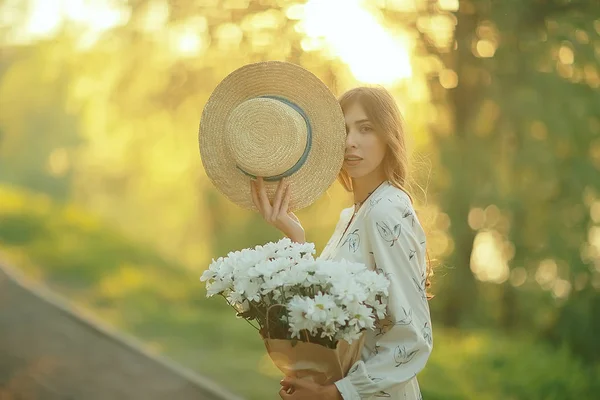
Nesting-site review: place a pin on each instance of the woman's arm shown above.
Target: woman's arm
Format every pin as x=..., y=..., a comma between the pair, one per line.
x=405, y=340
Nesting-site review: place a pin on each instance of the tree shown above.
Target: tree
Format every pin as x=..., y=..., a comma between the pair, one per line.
x=520, y=82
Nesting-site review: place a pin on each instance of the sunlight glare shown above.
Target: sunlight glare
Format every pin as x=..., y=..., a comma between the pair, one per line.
x=354, y=35
x=45, y=17
x=188, y=43
x=188, y=38
x=488, y=262
x=449, y=5
x=547, y=274
x=595, y=211
x=156, y=16
x=561, y=288
x=96, y=15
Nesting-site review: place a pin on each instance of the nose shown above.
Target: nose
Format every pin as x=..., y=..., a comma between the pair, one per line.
x=350, y=140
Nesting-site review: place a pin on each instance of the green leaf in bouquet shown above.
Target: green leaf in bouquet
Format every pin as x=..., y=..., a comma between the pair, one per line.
x=249, y=315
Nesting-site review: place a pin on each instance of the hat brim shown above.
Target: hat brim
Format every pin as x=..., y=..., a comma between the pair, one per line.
x=301, y=87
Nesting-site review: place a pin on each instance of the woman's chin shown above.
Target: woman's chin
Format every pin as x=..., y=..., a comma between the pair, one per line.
x=354, y=173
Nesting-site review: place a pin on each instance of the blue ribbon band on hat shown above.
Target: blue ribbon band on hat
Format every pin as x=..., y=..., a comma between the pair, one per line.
x=296, y=167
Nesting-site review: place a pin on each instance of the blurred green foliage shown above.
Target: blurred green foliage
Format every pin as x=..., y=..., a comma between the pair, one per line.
x=158, y=301
x=485, y=365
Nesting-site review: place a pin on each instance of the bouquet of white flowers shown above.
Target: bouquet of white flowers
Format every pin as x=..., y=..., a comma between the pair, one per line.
x=311, y=313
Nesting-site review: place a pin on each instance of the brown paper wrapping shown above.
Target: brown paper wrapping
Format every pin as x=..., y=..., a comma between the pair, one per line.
x=314, y=361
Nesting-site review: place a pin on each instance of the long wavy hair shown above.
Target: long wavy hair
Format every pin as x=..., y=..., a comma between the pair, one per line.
x=383, y=112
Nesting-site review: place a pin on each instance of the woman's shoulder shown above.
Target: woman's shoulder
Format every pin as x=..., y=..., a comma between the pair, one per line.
x=345, y=216
x=346, y=212
x=395, y=208
x=389, y=202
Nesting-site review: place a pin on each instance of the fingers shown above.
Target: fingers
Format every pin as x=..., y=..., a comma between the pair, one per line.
x=291, y=382
x=278, y=199
x=286, y=391
x=286, y=200
x=255, y=198
x=264, y=199
x=280, y=205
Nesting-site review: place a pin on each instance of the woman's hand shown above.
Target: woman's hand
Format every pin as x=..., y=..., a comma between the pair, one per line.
x=277, y=213
x=300, y=389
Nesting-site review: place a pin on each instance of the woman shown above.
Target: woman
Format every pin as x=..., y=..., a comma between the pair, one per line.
x=382, y=231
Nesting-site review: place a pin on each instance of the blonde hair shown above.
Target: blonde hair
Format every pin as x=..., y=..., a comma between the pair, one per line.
x=381, y=109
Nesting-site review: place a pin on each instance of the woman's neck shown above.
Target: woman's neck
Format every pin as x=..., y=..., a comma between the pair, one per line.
x=363, y=187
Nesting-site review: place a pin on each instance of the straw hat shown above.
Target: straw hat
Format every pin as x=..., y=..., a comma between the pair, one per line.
x=275, y=120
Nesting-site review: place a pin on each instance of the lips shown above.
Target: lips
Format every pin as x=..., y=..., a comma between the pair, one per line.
x=352, y=160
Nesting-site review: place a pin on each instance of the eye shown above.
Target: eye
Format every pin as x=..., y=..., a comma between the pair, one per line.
x=366, y=128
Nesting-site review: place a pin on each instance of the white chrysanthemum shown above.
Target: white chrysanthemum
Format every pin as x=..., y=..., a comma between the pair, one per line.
x=314, y=278
x=216, y=287
x=376, y=283
x=295, y=275
x=246, y=259
x=208, y=275
x=299, y=308
x=348, y=295
x=298, y=251
x=380, y=308
x=234, y=297
x=360, y=316
x=218, y=269
x=331, y=270
x=286, y=248
x=349, y=335
x=275, y=282
x=336, y=318
x=352, y=267
x=250, y=288
x=348, y=290
x=323, y=304
x=266, y=268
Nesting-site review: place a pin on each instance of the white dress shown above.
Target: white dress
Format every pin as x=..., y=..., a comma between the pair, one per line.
x=387, y=236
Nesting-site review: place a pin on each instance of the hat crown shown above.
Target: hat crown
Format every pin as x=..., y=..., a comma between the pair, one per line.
x=266, y=136
x=234, y=145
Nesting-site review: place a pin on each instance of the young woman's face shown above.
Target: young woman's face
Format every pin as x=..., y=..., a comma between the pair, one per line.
x=365, y=149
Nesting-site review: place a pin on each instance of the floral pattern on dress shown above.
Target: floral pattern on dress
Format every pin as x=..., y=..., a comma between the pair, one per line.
x=353, y=241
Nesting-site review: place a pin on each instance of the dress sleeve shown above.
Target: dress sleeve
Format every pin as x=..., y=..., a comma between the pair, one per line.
x=404, y=337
